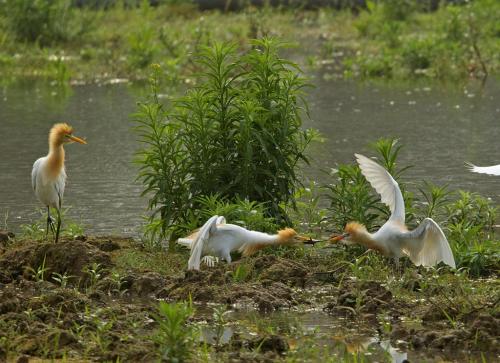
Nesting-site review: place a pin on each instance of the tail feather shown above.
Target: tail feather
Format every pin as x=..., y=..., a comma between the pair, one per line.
x=186, y=242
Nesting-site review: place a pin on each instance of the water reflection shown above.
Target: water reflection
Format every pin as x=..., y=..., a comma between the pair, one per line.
x=341, y=337
x=101, y=192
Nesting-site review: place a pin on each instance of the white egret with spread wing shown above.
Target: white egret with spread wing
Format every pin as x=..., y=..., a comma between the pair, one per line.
x=218, y=239
x=426, y=245
x=48, y=176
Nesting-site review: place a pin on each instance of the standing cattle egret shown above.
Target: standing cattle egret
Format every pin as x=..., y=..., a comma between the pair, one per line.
x=48, y=176
x=218, y=239
x=426, y=245
x=491, y=170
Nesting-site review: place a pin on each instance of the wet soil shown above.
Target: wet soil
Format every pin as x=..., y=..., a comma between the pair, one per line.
x=73, y=299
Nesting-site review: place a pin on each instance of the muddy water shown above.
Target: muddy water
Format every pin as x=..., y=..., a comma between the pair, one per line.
x=338, y=335
x=441, y=127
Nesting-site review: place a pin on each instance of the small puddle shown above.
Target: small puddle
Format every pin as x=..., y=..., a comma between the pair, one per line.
x=338, y=334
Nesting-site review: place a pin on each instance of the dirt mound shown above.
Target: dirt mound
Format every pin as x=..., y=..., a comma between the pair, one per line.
x=72, y=258
x=368, y=297
x=5, y=236
x=218, y=285
x=479, y=332
x=280, y=270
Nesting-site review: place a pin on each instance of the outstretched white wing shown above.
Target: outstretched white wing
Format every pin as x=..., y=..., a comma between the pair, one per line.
x=385, y=185
x=198, y=244
x=427, y=245
x=492, y=170
x=188, y=241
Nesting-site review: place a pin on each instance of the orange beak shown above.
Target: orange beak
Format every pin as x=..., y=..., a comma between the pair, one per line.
x=339, y=237
x=77, y=139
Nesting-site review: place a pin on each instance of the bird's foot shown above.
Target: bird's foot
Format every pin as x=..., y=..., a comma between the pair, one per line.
x=51, y=224
x=210, y=261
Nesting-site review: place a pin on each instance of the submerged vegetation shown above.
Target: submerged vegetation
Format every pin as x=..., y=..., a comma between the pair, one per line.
x=389, y=39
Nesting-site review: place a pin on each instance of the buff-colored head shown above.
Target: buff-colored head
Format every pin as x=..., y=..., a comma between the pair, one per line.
x=287, y=236
x=62, y=133
x=352, y=231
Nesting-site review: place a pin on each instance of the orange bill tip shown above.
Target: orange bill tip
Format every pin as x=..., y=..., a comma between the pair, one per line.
x=337, y=238
x=77, y=139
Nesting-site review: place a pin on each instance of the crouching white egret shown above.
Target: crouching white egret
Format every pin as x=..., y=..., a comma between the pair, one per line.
x=491, y=170
x=216, y=239
x=48, y=176
x=426, y=245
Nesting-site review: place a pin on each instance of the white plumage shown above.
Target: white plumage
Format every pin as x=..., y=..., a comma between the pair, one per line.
x=491, y=170
x=48, y=176
x=216, y=240
x=48, y=190
x=426, y=245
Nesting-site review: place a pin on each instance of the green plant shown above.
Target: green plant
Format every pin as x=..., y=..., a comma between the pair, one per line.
x=100, y=336
x=5, y=220
x=219, y=321
x=39, y=274
x=62, y=279
x=471, y=209
x=94, y=272
x=417, y=54
x=240, y=274
x=309, y=216
x=248, y=214
x=174, y=337
x=352, y=198
x=142, y=47
x=60, y=71
x=44, y=21
x=237, y=134
x=435, y=201
x=470, y=220
x=36, y=230
x=118, y=281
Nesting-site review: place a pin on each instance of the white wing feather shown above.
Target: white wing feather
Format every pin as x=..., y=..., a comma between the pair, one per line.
x=491, y=170
x=188, y=241
x=34, y=172
x=199, y=243
x=385, y=185
x=427, y=245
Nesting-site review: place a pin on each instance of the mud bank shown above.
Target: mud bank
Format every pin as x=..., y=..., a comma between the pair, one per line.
x=96, y=298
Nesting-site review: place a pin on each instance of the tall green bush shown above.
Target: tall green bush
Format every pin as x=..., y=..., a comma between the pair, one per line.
x=237, y=134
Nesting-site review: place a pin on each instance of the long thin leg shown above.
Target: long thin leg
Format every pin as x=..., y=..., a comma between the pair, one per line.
x=49, y=223
x=398, y=271
x=58, y=224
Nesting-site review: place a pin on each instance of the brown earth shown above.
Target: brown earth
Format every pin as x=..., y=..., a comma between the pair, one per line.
x=41, y=318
